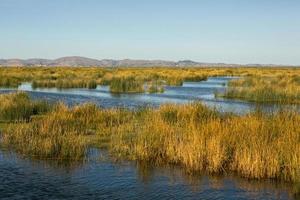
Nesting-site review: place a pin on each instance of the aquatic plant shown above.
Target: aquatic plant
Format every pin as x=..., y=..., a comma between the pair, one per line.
x=257, y=145
x=9, y=82
x=277, y=89
x=60, y=134
x=155, y=87
x=19, y=107
x=64, y=83
x=126, y=85
x=89, y=77
x=175, y=81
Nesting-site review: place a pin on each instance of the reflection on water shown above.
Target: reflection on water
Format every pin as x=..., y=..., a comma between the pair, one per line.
x=28, y=179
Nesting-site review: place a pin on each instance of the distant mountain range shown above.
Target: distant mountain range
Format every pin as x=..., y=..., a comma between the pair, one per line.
x=76, y=61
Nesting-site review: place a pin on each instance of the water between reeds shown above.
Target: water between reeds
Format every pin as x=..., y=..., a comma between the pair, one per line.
x=102, y=178
x=203, y=91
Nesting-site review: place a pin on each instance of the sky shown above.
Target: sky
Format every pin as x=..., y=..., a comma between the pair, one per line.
x=225, y=31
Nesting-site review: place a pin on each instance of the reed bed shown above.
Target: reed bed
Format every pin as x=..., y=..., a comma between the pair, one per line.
x=62, y=133
x=9, y=82
x=64, y=84
x=257, y=145
x=19, y=107
x=155, y=87
x=86, y=77
x=126, y=85
x=274, y=89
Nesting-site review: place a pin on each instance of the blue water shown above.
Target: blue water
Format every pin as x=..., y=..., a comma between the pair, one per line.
x=203, y=91
x=22, y=178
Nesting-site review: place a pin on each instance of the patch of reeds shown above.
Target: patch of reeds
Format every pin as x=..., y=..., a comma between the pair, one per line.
x=174, y=81
x=257, y=145
x=195, y=78
x=64, y=133
x=19, y=107
x=126, y=85
x=60, y=134
x=9, y=82
x=64, y=84
x=278, y=89
x=89, y=77
x=155, y=87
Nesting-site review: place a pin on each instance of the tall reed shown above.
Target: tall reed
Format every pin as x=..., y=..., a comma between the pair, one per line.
x=257, y=145
x=64, y=83
x=60, y=134
x=19, y=107
x=278, y=89
x=126, y=85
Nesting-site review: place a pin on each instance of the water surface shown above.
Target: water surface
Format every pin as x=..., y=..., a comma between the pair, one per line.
x=22, y=178
x=203, y=91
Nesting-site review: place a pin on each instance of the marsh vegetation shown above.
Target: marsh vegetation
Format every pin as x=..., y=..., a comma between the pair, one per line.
x=18, y=107
x=258, y=145
x=266, y=89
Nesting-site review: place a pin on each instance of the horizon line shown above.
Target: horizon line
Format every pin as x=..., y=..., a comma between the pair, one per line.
x=144, y=59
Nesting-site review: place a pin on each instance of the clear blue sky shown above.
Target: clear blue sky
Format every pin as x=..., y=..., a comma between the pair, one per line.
x=232, y=31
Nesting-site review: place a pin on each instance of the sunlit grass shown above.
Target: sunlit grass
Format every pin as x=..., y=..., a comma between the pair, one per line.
x=19, y=107
x=272, y=89
x=64, y=84
x=257, y=145
x=89, y=77
x=126, y=85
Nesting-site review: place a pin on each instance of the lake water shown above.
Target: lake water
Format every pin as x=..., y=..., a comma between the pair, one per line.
x=203, y=91
x=22, y=178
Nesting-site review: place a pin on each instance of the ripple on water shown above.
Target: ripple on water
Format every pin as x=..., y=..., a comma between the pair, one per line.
x=103, y=179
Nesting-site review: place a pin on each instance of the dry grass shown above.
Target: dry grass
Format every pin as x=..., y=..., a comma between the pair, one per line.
x=266, y=89
x=60, y=134
x=89, y=77
x=19, y=107
x=126, y=85
x=65, y=83
x=257, y=145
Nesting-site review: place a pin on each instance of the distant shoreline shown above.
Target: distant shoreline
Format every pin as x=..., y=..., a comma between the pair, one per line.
x=76, y=61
